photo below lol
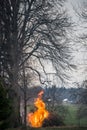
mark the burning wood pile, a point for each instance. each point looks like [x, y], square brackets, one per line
[41, 117]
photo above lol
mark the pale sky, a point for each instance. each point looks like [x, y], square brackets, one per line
[79, 51]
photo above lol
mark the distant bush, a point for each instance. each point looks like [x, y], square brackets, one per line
[53, 120]
[61, 110]
[82, 111]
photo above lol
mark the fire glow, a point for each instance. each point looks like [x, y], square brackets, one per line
[35, 119]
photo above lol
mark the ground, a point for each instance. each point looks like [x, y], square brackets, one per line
[53, 128]
[71, 121]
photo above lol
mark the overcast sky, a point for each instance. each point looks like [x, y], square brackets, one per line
[80, 52]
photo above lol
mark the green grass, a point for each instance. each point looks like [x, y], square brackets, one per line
[71, 120]
[71, 117]
[83, 122]
[69, 113]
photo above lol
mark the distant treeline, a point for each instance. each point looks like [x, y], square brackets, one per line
[76, 95]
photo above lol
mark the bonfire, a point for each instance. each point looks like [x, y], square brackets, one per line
[35, 119]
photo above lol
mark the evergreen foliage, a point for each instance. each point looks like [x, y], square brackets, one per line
[5, 107]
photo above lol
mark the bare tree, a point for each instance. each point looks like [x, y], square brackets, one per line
[37, 31]
[32, 29]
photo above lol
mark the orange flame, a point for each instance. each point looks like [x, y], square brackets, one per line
[36, 119]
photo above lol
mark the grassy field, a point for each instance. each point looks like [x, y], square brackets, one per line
[70, 112]
[72, 119]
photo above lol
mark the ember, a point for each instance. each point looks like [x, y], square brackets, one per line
[36, 119]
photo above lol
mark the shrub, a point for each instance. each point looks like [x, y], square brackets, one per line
[53, 120]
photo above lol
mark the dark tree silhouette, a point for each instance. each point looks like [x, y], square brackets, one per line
[32, 29]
